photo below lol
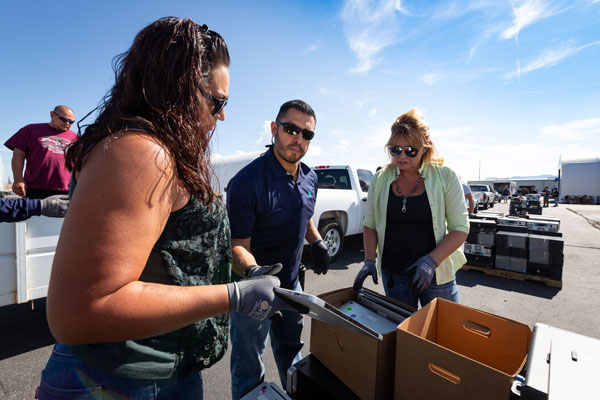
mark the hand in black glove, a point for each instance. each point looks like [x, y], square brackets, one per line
[320, 257]
[259, 270]
[424, 268]
[55, 206]
[256, 298]
[368, 268]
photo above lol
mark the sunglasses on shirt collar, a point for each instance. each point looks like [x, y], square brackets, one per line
[292, 129]
[63, 119]
[409, 151]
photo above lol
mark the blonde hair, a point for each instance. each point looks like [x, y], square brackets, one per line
[413, 127]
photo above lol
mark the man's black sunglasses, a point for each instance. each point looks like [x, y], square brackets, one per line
[294, 130]
[63, 119]
[219, 103]
[409, 151]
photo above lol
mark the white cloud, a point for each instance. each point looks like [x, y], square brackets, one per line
[549, 58]
[430, 79]
[526, 13]
[311, 48]
[327, 92]
[575, 130]
[314, 151]
[370, 26]
[265, 134]
[373, 111]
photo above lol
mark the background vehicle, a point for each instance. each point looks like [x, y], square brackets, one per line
[340, 206]
[26, 253]
[497, 196]
[483, 195]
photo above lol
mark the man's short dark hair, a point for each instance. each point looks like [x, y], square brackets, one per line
[299, 105]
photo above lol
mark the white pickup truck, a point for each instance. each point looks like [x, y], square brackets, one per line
[483, 196]
[26, 253]
[340, 206]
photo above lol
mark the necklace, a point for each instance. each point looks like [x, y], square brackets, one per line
[411, 192]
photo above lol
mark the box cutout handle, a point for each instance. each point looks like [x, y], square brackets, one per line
[444, 373]
[477, 329]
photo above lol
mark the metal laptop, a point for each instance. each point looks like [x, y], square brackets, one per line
[368, 317]
[379, 309]
[325, 312]
[377, 298]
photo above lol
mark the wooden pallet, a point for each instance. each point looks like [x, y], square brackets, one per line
[514, 275]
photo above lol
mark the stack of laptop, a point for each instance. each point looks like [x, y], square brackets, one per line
[371, 314]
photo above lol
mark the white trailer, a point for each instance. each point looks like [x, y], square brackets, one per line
[26, 253]
[580, 177]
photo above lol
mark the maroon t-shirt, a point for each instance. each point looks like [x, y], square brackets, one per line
[44, 147]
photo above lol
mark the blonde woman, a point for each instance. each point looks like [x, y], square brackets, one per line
[416, 219]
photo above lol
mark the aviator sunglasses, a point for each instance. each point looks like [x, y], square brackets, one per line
[294, 130]
[63, 119]
[219, 103]
[409, 151]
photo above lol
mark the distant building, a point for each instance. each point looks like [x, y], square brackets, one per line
[580, 177]
[537, 182]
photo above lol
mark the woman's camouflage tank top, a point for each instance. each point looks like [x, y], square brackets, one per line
[194, 249]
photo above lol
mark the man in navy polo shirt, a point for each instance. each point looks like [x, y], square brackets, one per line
[270, 204]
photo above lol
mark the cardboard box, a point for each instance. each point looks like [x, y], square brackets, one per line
[450, 351]
[364, 364]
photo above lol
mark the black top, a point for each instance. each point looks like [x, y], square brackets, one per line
[408, 235]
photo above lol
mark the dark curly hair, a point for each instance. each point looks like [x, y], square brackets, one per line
[161, 87]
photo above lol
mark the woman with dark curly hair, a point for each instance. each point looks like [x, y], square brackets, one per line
[139, 291]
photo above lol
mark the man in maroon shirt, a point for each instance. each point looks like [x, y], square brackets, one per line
[43, 147]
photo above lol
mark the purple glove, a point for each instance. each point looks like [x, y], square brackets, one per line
[368, 268]
[424, 268]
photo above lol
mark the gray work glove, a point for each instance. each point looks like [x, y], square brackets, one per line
[55, 206]
[256, 298]
[259, 270]
[320, 257]
[423, 270]
[368, 268]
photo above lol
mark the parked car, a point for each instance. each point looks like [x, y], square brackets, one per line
[497, 196]
[340, 206]
[483, 195]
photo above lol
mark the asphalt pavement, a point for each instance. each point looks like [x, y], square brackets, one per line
[26, 341]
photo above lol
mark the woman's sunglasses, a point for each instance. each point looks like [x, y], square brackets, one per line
[409, 151]
[219, 103]
[63, 119]
[294, 130]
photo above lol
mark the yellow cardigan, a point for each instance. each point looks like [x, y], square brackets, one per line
[448, 210]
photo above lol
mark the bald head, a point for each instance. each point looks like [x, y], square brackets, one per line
[60, 118]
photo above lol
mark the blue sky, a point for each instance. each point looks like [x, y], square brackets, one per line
[507, 87]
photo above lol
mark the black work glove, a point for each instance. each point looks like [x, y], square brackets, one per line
[259, 270]
[256, 298]
[320, 257]
[423, 271]
[55, 206]
[368, 268]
